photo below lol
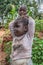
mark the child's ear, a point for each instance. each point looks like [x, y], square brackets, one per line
[25, 28]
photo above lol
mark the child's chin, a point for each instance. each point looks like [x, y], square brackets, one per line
[18, 35]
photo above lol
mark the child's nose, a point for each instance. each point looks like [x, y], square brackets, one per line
[15, 29]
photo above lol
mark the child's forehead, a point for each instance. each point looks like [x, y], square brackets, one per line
[22, 20]
[18, 22]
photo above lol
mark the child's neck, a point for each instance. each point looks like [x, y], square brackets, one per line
[20, 37]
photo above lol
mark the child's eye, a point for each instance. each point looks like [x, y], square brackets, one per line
[17, 25]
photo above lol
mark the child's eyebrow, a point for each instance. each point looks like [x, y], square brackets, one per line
[16, 23]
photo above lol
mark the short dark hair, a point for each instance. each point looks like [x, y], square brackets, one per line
[23, 20]
[23, 8]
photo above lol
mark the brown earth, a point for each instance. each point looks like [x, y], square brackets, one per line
[2, 32]
[40, 35]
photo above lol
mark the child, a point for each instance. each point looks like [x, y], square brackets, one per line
[22, 40]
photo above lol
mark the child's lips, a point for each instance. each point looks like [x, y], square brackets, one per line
[15, 32]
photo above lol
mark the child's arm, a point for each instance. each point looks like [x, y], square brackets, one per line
[31, 26]
[11, 27]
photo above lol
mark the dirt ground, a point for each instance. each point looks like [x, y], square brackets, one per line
[2, 32]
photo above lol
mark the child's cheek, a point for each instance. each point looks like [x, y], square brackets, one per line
[15, 53]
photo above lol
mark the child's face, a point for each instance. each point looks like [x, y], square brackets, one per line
[19, 29]
[22, 12]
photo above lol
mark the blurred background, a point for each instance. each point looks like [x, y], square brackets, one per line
[9, 12]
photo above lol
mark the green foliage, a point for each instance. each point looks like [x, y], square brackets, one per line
[33, 9]
[3, 6]
[37, 64]
[7, 47]
[9, 9]
[10, 15]
[6, 26]
[9, 19]
[37, 51]
[39, 25]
